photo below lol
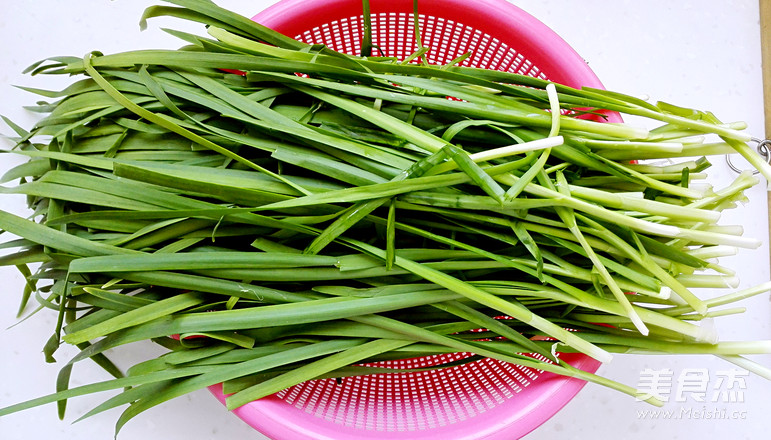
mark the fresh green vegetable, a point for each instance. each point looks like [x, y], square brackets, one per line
[301, 207]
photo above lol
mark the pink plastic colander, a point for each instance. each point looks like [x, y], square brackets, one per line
[486, 399]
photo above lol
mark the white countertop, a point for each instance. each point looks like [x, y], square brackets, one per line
[703, 54]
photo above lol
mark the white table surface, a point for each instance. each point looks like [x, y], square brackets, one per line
[703, 54]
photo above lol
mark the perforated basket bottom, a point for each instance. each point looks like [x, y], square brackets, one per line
[486, 398]
[400, 402]
[393, 35]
